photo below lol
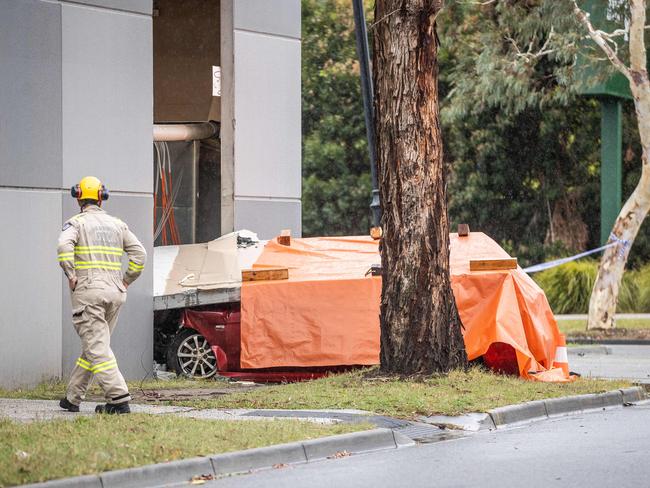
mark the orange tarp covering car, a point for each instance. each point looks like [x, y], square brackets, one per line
[327, 312]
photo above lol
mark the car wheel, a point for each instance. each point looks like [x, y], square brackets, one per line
[189, 354]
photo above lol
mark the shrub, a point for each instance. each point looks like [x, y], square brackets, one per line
[568, 287]
[642, 280]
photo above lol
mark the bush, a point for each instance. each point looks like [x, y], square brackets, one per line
[568, 288]
[642, 280]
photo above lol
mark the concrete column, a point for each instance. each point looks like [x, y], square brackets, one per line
[76, 93]
[107, 60]
[261, 117]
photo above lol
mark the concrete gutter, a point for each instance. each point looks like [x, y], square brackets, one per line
[522, 413]
[239, 462]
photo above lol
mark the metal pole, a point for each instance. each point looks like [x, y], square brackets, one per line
[195, 178]
[368, 108]
[611, 135]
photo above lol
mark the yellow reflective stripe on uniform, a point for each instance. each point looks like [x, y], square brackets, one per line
[111, 253]
[98, 248]
[135, 266]
[82, 360]
[105, 368]
[61, 254]
[66, 259]
[83, 365]
[99, 266]
[96, 261]
[98, 368]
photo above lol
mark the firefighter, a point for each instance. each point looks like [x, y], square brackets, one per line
[90, 249]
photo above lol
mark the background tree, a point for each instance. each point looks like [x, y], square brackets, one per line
[602, 305]
[420, 326]
[522, 146]
[336, 175]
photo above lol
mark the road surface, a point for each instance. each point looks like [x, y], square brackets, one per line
[604, 448]
[611, 361]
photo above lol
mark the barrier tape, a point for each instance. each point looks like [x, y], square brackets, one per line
[624, 244]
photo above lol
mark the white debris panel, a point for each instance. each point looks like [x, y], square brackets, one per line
[203, 274]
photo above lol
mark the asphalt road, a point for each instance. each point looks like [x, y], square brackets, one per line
[608, 448]
[611, 361]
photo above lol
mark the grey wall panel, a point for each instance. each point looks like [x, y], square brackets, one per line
[268, 217]
[30, 288]
[132, 340]
[137, 6]
[267, 111]
[107, 97]
[280, 17]
[30, 94]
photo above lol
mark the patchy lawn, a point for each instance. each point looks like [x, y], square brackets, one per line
[459, 392]
[42, 451]
[625, 329]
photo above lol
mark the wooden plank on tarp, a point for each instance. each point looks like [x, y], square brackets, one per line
[265, 274]
[492, 264]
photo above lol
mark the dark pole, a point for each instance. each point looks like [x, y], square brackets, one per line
[368, 108]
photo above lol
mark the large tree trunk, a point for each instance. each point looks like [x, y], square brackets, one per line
[612, 265]
[420, 326]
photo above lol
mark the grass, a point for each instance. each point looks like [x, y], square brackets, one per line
[42, 451]
[572, 327]
[55, 389]
[459, 392]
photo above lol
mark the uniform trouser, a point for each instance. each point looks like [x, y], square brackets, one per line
[95, 308]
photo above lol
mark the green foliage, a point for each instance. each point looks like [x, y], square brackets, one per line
[519, 140]
[336, 167]
[642, 280]
[509, 55]
[568, 288]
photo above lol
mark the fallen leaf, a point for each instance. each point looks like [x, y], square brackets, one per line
[280, 466]
[201, 479]
[340, 454]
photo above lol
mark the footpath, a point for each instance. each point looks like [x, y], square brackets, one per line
[389, 433]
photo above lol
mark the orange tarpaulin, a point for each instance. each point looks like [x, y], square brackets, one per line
[327, 312]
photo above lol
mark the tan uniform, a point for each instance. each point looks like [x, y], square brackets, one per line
[90, 247]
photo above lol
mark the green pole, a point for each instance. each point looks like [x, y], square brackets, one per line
[610, 169]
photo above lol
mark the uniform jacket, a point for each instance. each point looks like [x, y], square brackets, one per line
[92, 243]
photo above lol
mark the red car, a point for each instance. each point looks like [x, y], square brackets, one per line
[208, 343]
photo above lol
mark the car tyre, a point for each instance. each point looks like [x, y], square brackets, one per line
[190, 355]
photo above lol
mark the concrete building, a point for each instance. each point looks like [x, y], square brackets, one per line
[81, 85]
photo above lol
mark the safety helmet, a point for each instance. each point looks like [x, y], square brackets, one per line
[89, 188]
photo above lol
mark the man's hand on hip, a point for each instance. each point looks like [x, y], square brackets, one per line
[72, 282]
[126, 285]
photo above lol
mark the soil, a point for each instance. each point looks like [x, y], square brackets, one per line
[165, 395]
[617, 333]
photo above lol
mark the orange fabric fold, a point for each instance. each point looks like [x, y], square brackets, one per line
[327, 312]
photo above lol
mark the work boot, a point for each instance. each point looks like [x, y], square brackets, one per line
[112, 408]
[66, 405]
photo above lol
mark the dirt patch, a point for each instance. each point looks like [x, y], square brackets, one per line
[618, 333]
[159, 395]
[143, 396]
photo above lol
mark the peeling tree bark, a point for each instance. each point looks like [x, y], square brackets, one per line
[420, 326]
[604, 296]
